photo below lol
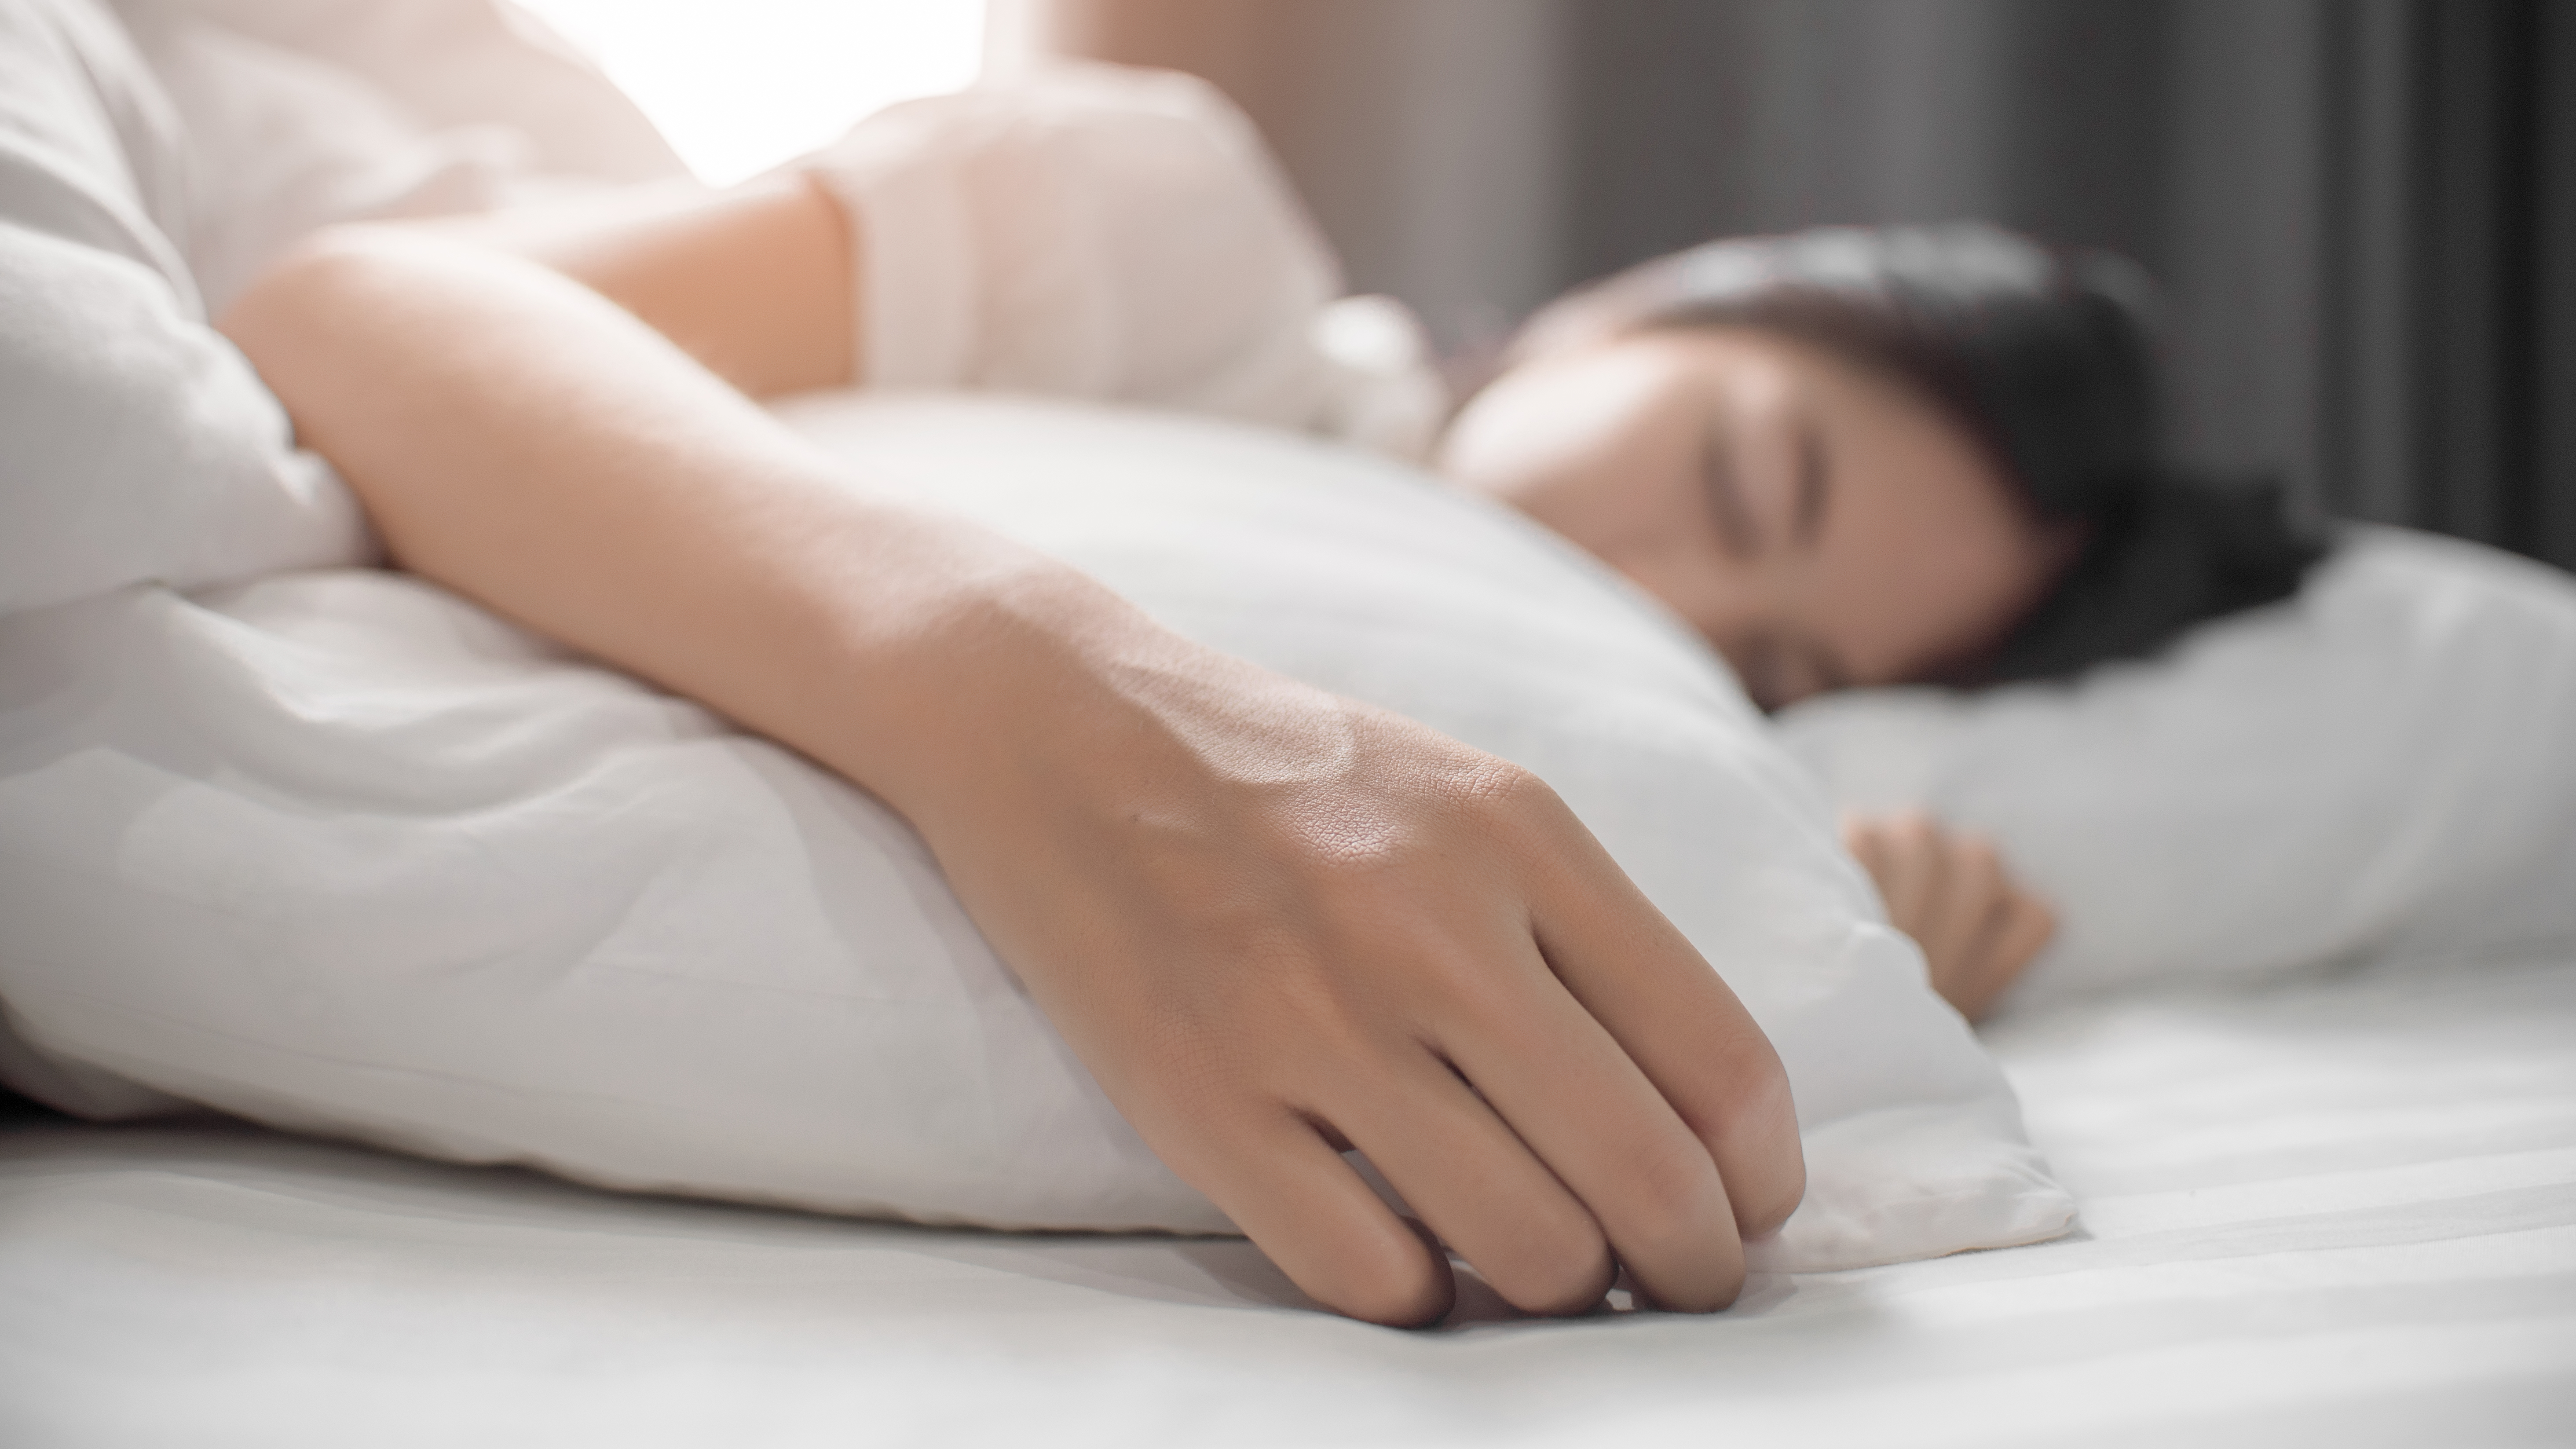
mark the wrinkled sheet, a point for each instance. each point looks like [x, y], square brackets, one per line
[2336, 1211]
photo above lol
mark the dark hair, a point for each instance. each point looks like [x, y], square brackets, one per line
[2043, 356]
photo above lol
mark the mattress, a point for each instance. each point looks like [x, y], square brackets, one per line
[2337, 1210]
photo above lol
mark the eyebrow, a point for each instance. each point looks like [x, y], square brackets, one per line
[1726, 492]
[1815, 482]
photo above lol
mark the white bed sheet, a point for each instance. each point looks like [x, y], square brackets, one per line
[2337, 1211]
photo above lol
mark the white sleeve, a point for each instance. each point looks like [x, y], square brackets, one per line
[1091, 231]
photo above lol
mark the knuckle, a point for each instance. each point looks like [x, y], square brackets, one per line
[1716, 1288]
[1499, 787]
[2042, 919]
[1186, 1091]
[1978, 857]
[1673, 1188]
[1261, 1020]
[1912, 826]
[1399, 1288]
[1560, 1264]
[1752, 1086]
[1561, 1287]
[1332, 1019]
[1756, 1134]
[1453, 994]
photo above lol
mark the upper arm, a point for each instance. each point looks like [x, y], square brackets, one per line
[755, 282]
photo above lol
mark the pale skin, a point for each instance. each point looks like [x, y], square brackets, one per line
[1822, 526]
[1273, 922]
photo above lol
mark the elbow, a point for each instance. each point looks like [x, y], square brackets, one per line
[323, 277]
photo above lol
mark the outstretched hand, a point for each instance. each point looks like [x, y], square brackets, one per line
[1278, 924]
[1948, 890]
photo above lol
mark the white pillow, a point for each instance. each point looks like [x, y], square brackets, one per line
[2383, 766]
[339, 852]
[140, 446]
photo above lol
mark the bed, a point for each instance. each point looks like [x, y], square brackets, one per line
[2335, 1210]
[2314, 1102]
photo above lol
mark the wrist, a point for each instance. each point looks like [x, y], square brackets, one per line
[977, 669]
[1016, 692]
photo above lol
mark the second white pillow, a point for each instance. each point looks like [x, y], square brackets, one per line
[2383, 766]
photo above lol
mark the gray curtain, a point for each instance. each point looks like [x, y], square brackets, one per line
[2364, 211]
[2449, 355]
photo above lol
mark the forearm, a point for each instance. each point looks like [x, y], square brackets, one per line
[526, 443]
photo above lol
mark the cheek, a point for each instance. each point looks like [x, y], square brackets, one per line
[1925, 588]
[1720, 600]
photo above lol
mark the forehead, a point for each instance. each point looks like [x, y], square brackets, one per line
[1760, 356]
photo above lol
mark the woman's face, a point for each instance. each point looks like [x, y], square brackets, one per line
[1822, 525]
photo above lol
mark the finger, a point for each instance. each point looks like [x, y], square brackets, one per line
[1859, 831]
[2019, 928]
[1311, 1213]
[1480, 1188]
[1673, 1018]
[1868, 845]
[1911, 847]
[1955, 913]
[2028, 929]
[1625, 1156]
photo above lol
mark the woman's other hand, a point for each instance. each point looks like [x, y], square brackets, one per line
[1948, 890]
[1278, 924]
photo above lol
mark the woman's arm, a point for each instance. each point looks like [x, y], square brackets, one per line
[1273, 922]
[755, 282]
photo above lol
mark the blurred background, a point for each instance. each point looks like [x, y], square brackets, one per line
[2364, 211]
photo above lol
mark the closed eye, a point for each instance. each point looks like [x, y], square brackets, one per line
[1815, 484]
[1735, 526]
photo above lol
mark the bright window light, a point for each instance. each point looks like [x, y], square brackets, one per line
[741, 85]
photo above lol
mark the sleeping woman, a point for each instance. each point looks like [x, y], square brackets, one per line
[1900, 455]
[1274, 923]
